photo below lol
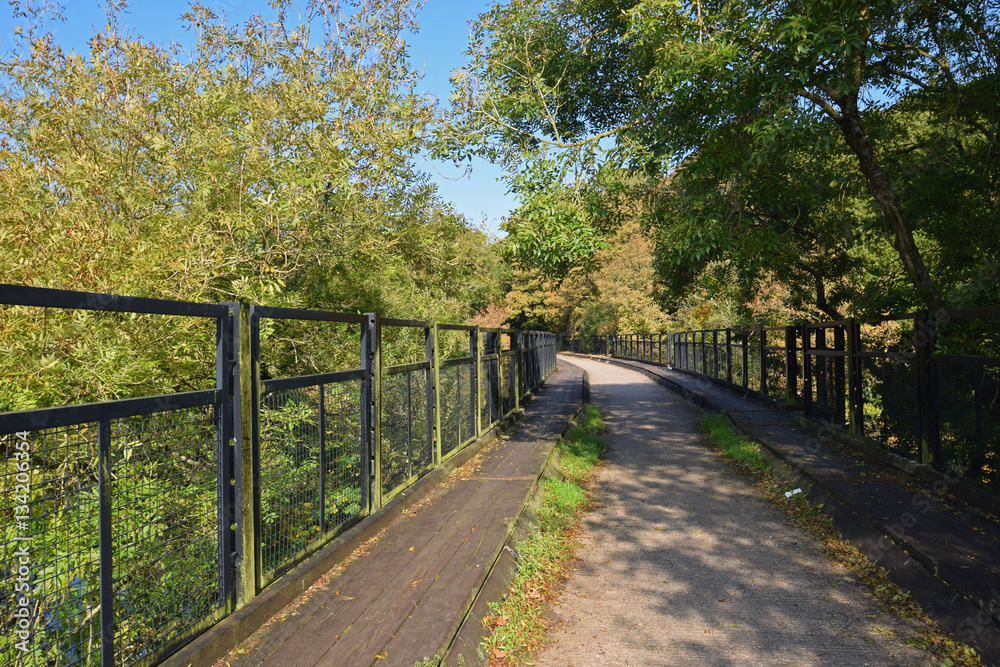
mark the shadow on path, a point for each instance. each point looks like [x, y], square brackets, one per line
[685, 564]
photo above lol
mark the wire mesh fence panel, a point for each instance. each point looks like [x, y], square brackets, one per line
[449, 409]
[289, 475]
[775, 371]
[752, 370]
[712, 353]
[969, 421]
[344, 454]
[697, 353]
[489, 403]
[736, 349]
[458, 421]
[890, 398]
[406, 442]
[826, 398]
[722, 357]
[164, 514]
[989, 397]
[966, 384]
[507, 385]
[51, 551]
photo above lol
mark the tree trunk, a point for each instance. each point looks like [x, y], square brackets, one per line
[821, 301]
[888, 203]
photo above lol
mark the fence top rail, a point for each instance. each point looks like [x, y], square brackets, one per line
[888, 318]
[303, 381]
[827, 325]
[414, 324]
[968, 359]
[457, 361]
[44, 297]
[273, 312]
[967, 312]
[406, 368]
[457, 327]
[89, 413]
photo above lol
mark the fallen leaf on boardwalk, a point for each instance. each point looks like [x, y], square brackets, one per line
[415, 582]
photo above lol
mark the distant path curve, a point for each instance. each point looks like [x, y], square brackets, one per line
[685, 564]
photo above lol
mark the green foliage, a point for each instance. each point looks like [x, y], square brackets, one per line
[581, 448]
[768, 128]
[733, 446]
[591, 420]
[270, 163]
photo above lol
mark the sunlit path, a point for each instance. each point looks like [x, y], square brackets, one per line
[684, 563]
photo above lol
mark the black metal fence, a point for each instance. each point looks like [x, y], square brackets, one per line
[133, 525]
[923, 385]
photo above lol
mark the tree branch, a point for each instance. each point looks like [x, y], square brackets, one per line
[820, 102]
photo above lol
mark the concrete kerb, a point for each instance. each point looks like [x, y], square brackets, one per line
[906, 565]
[205, 649]
[466, 642]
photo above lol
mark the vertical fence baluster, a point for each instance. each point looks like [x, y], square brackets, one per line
[105, 541]
[746, 367]
[433, 393]
[322, 459]
[370, 410]
[807, 398]
[476, 389]
[762, 347]
[729, 356]
[791, 367]
[855, 409]
[979, 461]
[226, 479]
[924, 328]
[518, 368]
[245, 519]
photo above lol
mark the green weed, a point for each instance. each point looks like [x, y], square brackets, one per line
[518, 625]
[733, 446]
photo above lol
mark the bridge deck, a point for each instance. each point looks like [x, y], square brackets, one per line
[405, 596]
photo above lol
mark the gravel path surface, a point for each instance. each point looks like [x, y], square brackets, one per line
[685, 564]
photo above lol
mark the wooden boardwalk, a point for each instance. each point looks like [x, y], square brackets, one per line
[406, 597]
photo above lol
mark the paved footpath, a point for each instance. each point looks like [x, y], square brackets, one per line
[685, 564]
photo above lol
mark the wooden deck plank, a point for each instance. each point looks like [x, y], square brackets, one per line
[354, 584]
[444, 604]
[373, 629]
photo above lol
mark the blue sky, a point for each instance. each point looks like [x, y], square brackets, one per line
[436, 50]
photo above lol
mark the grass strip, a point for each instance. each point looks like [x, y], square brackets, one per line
[517, 626]
[744, 455]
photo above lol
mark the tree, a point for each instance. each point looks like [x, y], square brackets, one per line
[270, 163]
[680, 83]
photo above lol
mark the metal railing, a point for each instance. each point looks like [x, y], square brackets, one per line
[133, 525]
[922, 385]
